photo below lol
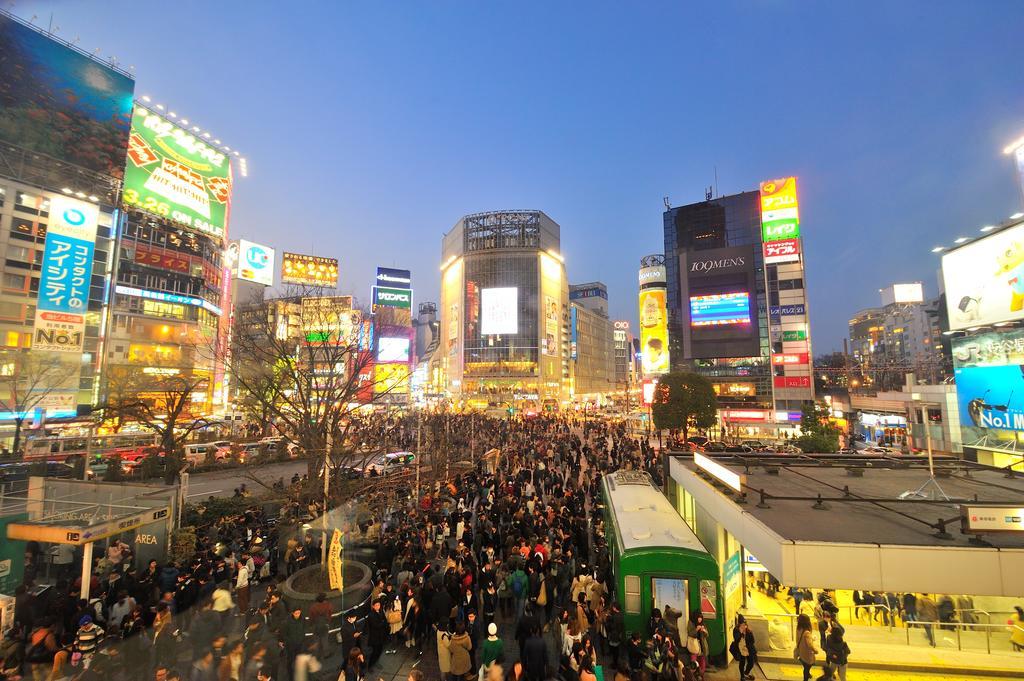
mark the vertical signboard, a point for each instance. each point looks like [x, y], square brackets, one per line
[654, 331]
[65, 277]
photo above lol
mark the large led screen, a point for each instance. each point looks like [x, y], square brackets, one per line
[173, 174]
[720, 309]
[499, 311]
[654, 356]
[393, 350]
[309, 270]
[57, 101]
[984, 280]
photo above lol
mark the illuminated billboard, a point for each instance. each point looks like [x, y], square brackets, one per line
[66, 273]
[720, 309]
[391, 378]
[392, 350]
[984, 280]
[309, 270]
[329, 320]
[780, 216]
[654, 332]
[784, 250]
[499, 311]
[387, 276]
[384, 296]
[255, 263]
[173, 174]
[57, 101]
[989, 379]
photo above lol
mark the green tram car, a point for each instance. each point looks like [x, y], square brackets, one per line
[657, 560]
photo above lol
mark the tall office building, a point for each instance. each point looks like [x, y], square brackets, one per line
[591, 349]
[737, 308]
[504, 312]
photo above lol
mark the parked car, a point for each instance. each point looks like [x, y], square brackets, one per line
[716, 447]
[698, 440]
[22, 470]
[740, 448]
[382, 464]
[755, 445]
[195, 454]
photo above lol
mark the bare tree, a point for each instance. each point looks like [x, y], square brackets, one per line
[28, 379]
[303, 366]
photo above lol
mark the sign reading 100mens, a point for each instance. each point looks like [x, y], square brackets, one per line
[66, 273]
[172, 174]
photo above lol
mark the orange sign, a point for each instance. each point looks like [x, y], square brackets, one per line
[776, 194]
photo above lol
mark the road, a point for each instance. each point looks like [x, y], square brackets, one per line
[223, 483]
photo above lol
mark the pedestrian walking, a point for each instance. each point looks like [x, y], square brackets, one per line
[806, 649]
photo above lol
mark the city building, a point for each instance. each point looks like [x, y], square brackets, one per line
[59, 219]
[591, 348]
[504, 312]
[903, 335]
[625, 356]
[737, 305]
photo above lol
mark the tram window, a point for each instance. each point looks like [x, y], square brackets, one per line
[632, 594]
[672, 592]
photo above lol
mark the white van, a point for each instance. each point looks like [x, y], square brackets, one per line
[195, 454]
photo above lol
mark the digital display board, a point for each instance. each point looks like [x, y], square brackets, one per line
[499, 311]
[391, 378]
[54, 100]
[255, 263]
[720, 309]
[392, 349]
[780, 217]
[984, 280]
[309, 270]
[66, 274]
[654, 357]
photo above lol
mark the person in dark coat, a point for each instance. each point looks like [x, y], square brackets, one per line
[535, 657]
[377, 629]
[294, 634]
[351, 634]
[635, 652]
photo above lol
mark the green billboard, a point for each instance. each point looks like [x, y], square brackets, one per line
[173, 174]
[775, 230]
[794, 335]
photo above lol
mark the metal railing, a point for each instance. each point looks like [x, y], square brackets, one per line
[960, 628]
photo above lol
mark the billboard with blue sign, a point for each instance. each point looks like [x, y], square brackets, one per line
[255, 263]
[65, 276]
[389, 277]
[990, 379]
[786, 310]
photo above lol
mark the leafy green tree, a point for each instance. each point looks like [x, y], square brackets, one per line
[684, 402]
[819, 434]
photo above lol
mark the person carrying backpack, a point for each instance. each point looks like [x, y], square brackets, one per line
[42, 646]
[518, 584]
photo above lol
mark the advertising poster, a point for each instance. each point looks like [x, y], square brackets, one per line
[989, 380]
[550, 326]
[65, 276]
[984, 280]
[173, 174]
[328, 320]
[387, 276]
[654, 332]
[385, 296]
[334, 562]
[392, 350]
[255, 263]
[720, 309]
[499, 311]
[453, 328]
[59, 102]
[164, 259]
[309, 270]
[785, 250]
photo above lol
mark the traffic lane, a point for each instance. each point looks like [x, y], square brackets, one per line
[223, 483]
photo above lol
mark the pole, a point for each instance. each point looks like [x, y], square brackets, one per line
[419, 461]
[86, 570]
[928, 440]
[88, 450]
[327, 492]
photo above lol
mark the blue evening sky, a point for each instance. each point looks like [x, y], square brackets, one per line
[372, 127]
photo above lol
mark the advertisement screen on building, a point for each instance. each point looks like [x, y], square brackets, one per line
[66, 273]
[385, 296]
[255, 263]
[392, 379]
[784, 250]
[309, 270]
[173, 174]
[780, 217]
[720, 309]
[387, 276]
[984, 280]
[550, 345]
[329, 320]
[989, 372]
[57, 101]
[392, 350]
[654, 357]
[499, 311]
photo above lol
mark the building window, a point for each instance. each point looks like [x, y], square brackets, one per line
[15, 281]
[19, 253]
[11, 311]
[632, 583]
[12, 339]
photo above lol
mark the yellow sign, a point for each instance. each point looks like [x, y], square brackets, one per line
[391, 378]
[334, 562]
[78, 535]
[654, 331]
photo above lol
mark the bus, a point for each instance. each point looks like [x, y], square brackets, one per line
[69, 448]
[657, 560]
